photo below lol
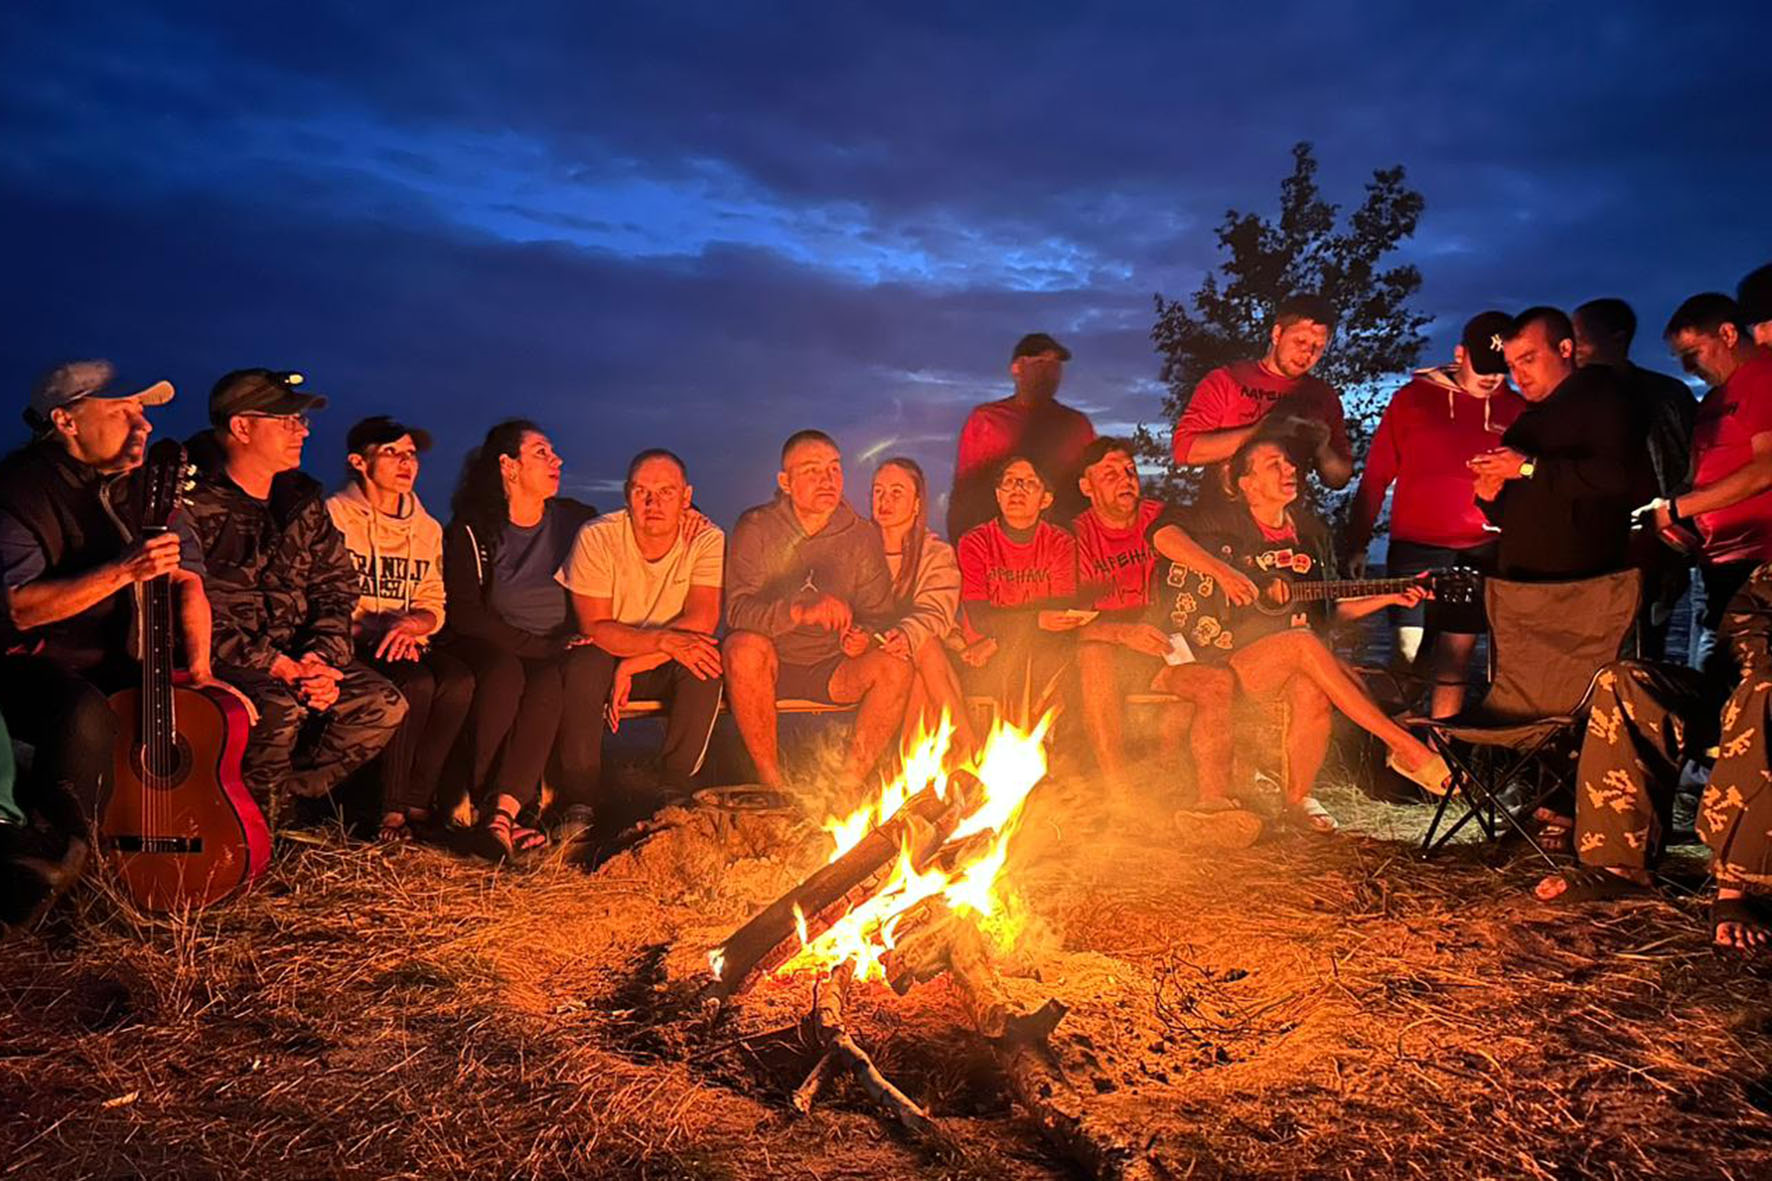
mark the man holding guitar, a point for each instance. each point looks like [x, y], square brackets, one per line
[1259, 546]
[69, 561]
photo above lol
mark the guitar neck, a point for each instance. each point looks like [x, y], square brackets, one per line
[157, 724]
[1357, 588]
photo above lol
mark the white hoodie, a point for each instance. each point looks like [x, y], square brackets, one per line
[398, 559]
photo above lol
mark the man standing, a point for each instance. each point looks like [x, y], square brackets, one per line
[71, 563]
[1604, 329]
[1730, 502]
[807, 588]
[1233, 401]
[284, 590]
[1569, 471]
[1754, 294]
[646, 595]
[1030, 422]
[1430, 432]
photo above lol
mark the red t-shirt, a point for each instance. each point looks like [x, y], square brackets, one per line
[1053, 436]
[1241, 395]
[1722, 442]
[1428, 432]
[1114, 566]
[997, 570]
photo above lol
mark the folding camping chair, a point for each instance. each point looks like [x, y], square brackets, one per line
[1548, 641]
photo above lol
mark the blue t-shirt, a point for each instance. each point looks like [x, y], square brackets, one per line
[524, 592]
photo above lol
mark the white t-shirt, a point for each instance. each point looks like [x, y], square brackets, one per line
[605, 563]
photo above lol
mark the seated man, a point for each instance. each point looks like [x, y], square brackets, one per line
[1647, 718]
[645, 589]
[1260, 535]
[284, 589]
[70, 567]
[1123, 648]
[807, 589]
[1018, 577]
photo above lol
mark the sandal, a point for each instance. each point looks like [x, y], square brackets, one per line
[1218, 824]
[1742, 913]
[513, 839]
[1554, 830]
[1309, 815]
[397, 827]
[1434, 776]
[1590, 883]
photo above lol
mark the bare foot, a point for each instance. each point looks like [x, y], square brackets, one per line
[1736, 925]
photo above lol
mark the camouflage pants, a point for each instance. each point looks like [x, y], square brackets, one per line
[306, 753]
[1646, 719]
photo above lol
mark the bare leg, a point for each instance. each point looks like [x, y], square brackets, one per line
[1097, 668]
[751, 665]
[1308, 721]
[938, 691]
[1267, 664]
[882, 684]
[1206, 695]
[1450, 664]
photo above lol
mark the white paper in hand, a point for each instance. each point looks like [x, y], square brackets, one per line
[1179, 652]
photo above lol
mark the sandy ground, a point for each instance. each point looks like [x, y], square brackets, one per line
[1308, 1007]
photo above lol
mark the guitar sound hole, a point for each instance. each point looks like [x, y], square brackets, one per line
[151, 771]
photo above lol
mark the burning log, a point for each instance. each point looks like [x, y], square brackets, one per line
[922, 826]
[841, 1049]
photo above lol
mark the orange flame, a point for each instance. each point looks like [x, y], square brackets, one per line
[1011, 764]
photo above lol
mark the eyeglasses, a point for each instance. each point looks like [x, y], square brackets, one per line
[291, 422]
[1021, 484]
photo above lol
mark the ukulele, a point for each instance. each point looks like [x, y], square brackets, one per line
[178, 824]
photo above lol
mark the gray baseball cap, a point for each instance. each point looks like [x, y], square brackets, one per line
[77, 380]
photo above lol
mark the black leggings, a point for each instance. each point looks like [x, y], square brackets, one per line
[439, 688]
[514, 721]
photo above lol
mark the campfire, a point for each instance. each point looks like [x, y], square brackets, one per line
[914, 888]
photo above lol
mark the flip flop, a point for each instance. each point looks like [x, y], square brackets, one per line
[1591, 883]
[1741, 912]
[1311, 816]
[1434, 776]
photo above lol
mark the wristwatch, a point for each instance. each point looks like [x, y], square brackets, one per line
[1527, 467]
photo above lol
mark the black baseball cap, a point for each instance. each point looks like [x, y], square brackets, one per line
[380, 430]
[1482, 338]
[1754, 295]
[1035, 343]
[260, 391]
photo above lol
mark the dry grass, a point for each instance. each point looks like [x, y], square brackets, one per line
[1304, 1008]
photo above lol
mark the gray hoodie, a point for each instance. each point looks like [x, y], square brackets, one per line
[770, 561]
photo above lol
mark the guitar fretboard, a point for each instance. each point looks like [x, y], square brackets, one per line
[1311, 592]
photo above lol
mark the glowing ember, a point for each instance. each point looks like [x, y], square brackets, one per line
[1013, 762]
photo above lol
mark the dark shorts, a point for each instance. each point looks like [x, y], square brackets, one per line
[807, 682]
[1407, 559]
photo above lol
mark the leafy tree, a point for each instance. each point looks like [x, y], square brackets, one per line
[1305, 250]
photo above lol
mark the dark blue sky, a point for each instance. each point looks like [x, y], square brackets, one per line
[707, 225]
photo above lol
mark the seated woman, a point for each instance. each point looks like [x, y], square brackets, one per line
[508, 618]
[926, 589]
[1018, 577]
[1647, 718]
[397, 550]
[1219, 553]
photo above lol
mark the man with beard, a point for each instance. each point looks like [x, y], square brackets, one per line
[1730, 501]
[807, 592]
[1430, 431]
[646, 595]
[1562, 484]
[284, 591]
[1232, 402]
[1032, 423]
[71, 562]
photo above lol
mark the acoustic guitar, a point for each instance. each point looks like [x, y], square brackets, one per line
[1279, 600]
[178, 824]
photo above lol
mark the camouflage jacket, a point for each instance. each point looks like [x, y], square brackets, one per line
[279, 577]
[1747, 623]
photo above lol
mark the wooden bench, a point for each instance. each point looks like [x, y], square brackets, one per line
[785, 705]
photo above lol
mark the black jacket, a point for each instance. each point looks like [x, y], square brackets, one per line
[468, 571]
[279, 578]
[1571, 518]
[79, 519]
